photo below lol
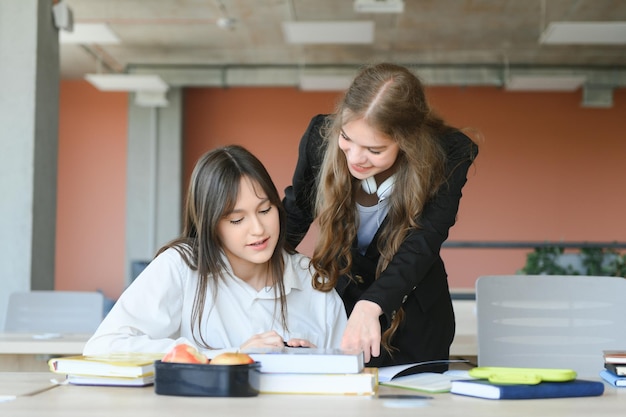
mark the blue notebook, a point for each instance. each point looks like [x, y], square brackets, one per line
[611, 378]
[482, 388]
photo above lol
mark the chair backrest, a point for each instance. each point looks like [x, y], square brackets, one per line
[548, 321]
[54, 312]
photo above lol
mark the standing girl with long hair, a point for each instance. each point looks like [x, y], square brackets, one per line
[382, 176]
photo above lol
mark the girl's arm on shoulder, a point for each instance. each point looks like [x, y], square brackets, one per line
[300, 195]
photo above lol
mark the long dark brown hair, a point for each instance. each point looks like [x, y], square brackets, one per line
[212, 193]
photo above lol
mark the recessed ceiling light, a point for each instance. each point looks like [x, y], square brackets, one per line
[378, 6]
[544, 82]
[127, 82]
[584, 33]
[99, 33]
[329, 32]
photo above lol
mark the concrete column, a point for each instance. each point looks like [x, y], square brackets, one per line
[29, 120]
[154, 178]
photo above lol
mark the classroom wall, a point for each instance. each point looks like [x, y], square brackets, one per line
[91, 200]
[548, 169]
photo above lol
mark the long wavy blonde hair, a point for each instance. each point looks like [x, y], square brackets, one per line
[391, 100]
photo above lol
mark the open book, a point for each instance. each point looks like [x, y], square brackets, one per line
[408, 376]
[387, 373]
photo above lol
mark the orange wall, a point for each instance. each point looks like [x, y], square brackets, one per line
[91, 199]
[268, 121]
[549, 170]
[545, 163]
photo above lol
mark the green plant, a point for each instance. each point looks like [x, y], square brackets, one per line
[594, 261]
[618, 265]
[543, 260]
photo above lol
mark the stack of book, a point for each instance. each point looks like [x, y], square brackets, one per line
[614, 371]
[313, 371]
[119, 369]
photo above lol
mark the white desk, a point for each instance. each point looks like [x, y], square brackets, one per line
[29, 352]
[68, 400]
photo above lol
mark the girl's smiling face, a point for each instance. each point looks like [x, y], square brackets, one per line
[367, 151]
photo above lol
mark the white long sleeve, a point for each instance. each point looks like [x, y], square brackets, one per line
[154, 313]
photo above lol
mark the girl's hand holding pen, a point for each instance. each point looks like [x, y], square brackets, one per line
[272, 339]
[299, 343]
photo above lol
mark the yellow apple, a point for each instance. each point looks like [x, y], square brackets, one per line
[231, 358]
[184, 353]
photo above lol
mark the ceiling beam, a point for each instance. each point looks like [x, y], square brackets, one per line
[435, 75]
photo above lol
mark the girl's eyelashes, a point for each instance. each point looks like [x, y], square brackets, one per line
[240, 219]
[345, 137]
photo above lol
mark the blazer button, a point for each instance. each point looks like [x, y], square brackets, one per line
[404, 299]
[359, 279]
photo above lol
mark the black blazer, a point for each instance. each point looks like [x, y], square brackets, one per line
[416, 278]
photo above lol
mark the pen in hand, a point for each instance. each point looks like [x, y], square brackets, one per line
[286, 345]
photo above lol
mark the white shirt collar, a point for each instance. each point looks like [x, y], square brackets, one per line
[290, 280]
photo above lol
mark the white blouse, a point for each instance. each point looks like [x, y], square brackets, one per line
[154, 312]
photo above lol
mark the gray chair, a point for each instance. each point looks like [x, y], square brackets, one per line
[548, 321]
[54, 312]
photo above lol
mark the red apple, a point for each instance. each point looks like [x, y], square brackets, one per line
[231, 358]
[184, 353]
